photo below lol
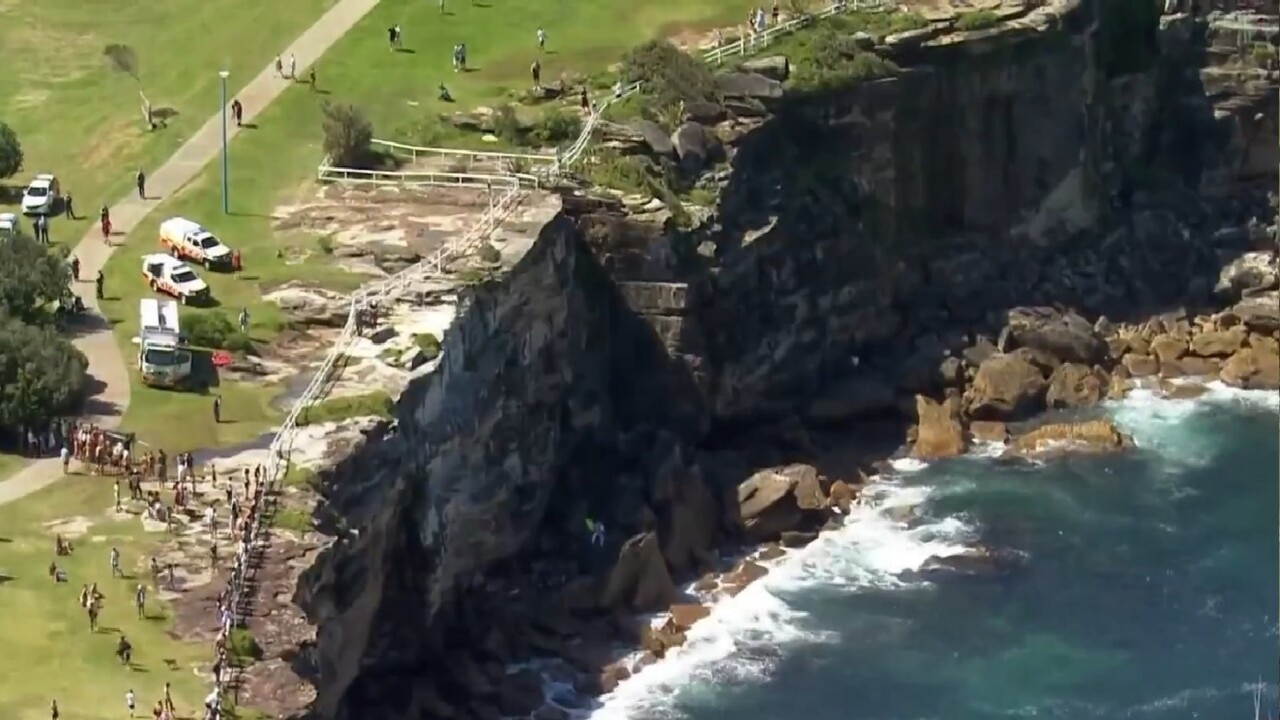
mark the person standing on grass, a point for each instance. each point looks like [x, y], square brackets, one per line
[244, 319]
[115, 563]
[92, 612]
[535, 70]
[68, 209]
[124, 651]
[440, 4]
[311, 77]
[131, 702]
[140, 598]
[66, 460]
[542, 39]
[391, 38]
[217, 409]
[53, 710]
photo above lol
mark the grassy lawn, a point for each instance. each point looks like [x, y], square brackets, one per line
[180, 421]
[51, 652]
[10, 464]
[80, 119]
[275, 163]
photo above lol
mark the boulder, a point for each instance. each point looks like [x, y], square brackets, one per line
[695, 145]
[655, 137]
[1088, 436]
[988, 431]
[1219, 343]
[1190, 366]
[778, 499]
[311, 306]
[939, 433]
[684, 615]
[745, 573]
[1139, 365]
[975, 563]
[774, 67]
[640, 581]
[705, 113]
[1006, 387]
[1168, 347]
[1066, 337]
[658, 640]
[1182, 391]
[1249, 273]
[841, 496]
[1260, 314]
[1252, 369]
[748, 85]
[745, 108]
[1073, 385]
[866, 394]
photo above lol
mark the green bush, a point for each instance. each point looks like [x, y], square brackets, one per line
[325, 243]
[670, 76]
[373, 404]
[506, 125]
[556, 127]
[10, 152]
[624, 173]
[347, 136]
[242, 646]
[977, 20]
[429, 344]
[31, 277]
[42, 375]
[834, 60]
[215, 330]
[489, 254]
[287, 518]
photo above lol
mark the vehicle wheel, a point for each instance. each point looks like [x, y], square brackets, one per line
[173, 250]
[155, 287]
[182, 299]
[208, 264]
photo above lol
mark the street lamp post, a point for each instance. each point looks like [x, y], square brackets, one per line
[226, 208]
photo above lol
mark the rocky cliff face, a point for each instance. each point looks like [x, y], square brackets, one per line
[869, 246]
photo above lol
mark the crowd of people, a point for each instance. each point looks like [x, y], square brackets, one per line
[147, 478]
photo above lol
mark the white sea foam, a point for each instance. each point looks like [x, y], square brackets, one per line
[1159, 423]
[745, 635]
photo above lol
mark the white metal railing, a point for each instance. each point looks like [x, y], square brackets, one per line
[421, 178]
[470, 158]
[756, 41]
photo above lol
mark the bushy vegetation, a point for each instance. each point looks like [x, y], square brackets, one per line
[977, 20]
[671, 77]
[556, 127]
[10, 152]
[374, 404]
[1128, 41]
[505, 123]
[215, 330]
[489, 254]
[430, 345]
[42, 375]
[242, 646]
[834, 60]
[347, 136]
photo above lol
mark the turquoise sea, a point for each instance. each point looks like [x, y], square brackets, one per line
[1149, 591]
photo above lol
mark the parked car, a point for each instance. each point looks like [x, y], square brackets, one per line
[9, 224]
[184, 238]
[40, 195]
[171, 276]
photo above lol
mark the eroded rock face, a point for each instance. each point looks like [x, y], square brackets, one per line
[777, 500]
[939, 433]
[1055, 438]
[311, 306]
[1007, 387]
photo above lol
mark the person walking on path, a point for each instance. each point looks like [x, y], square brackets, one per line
[311, 77]
[115, 563]
[141, 180]
[98, 282]
[293, 67]
[279, 67]
[75, 268]
[237, 112]
[53, 710]
[217, 409]
[66, 460]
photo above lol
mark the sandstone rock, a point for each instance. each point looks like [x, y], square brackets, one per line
[751, 85]
[939, 433]
[745, 108]
[742, 575]
[1064, 336]
[1219, 343]
[1088, 436]
[1252, 369]
[1182, 391]
[841, 496]
[989, 431]
[640, 581]
[974, 563]
[1250, 272]
[774, 67]
[777, 499]
[1073, 385]
[655, 137]
[1140, 366]
[1190, 366]
[1265, 345]
[686, 510]
[695, 146]
[1260, 314]
[684, 615]
[311, 306]
[860, 396]
[1168, 347]
[705, 113]
[659, 640]
[1120, 384]
[1006, 387]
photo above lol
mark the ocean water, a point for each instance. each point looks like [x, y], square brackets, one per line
[1149, 591]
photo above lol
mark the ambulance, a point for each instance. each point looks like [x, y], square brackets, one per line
[171, 276]
[186, 239]
[162, 360]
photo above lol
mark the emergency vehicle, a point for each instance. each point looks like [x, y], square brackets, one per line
[162, 360]
[186, 239]
[171, 276]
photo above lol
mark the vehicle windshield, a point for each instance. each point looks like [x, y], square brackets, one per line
[164, 357]
[184, 276]
[37, 191]
[208, 242]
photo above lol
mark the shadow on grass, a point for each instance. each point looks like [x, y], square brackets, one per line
[262, 216]
[407, 51]
[249, 126]
[6, 578]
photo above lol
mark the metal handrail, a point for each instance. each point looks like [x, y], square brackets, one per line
[754, 41]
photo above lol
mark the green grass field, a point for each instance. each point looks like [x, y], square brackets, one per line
[49, 651]
[275, 162]
[78, 118]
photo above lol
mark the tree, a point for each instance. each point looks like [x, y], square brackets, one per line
[42, 375]
[10, 152]
[670, 76]
[31, 277]
[347, 135]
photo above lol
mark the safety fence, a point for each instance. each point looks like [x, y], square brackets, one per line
[755, 41]
[506, 190]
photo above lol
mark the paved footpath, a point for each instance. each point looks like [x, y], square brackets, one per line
[110, 376]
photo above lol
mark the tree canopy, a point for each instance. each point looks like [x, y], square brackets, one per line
[10, 152]
[42, 375]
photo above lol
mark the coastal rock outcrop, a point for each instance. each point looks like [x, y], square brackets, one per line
[1055, 438]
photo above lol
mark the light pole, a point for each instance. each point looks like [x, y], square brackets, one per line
[226, 208]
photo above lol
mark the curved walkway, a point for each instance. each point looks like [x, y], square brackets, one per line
[109, 376]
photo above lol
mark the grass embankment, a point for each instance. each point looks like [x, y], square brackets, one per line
[82, 120]
[49, 651]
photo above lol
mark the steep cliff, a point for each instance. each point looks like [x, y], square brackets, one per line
[870, 244]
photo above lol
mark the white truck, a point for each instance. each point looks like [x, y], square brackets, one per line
[187, 240]
[162, 360]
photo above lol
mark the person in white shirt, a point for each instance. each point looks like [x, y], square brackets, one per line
[131, 702]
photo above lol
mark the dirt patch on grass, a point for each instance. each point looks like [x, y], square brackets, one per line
[69, 527]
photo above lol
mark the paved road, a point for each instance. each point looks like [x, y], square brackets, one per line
[110, 376]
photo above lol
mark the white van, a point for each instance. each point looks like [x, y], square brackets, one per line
[162, 360]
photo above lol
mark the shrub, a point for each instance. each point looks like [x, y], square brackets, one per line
[42, 375]
[325, 243]
[429, 344]
[977, 20]
[489, 254]
[834, 60]
[10, 152]
[506, 125]
[670, 76]
[347, 134]
[625, 173]
[215, 330]
[374, 404]
[31, 276]
[242, 646]
[556, 127]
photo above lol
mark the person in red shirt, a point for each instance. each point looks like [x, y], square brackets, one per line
[235, 261]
